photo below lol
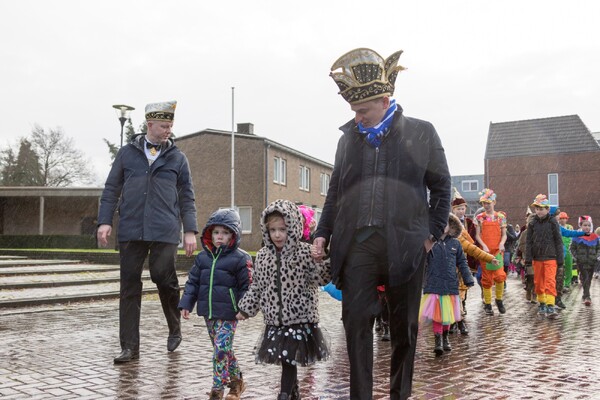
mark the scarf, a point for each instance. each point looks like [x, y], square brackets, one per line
[374, 135]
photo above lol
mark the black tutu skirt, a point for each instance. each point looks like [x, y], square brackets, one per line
[297, 344]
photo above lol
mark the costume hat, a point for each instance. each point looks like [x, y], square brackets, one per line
[584, 218]
[541, 201]
[487, 196]
[365, 75]
[457, 199]
[563, 215]
[164, 111]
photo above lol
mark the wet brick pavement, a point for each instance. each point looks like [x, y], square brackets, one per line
[66, 352]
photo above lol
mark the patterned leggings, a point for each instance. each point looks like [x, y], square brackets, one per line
[225, 364]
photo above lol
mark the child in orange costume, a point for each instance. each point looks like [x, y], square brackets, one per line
[491, 236]
[459, 209]
[545, 252]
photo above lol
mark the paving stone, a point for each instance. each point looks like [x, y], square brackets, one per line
[66, 351]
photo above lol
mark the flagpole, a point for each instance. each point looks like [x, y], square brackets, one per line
[232, 149]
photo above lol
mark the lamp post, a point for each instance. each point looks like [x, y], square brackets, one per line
[123, 113]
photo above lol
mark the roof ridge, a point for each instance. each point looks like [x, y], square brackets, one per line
[537, 119]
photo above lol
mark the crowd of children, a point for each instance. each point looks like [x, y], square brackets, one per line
[225, 286]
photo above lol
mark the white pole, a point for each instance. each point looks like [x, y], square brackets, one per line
[232, 150]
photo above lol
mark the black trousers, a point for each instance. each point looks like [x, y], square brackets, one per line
[366, 268]
[162, 272]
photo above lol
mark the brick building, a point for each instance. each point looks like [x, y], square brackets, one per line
[264, 171]
[557, 156]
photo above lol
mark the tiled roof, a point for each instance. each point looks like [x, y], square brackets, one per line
[567, 134]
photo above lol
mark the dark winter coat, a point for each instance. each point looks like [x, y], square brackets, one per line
[285, 284]
[586, 250]
[414, 162]
[153, 200]
[544, 241]
[446, 255]
[220, 276]
[511, 238]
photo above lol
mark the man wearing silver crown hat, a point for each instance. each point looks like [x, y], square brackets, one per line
[151, 184]
[379, 217]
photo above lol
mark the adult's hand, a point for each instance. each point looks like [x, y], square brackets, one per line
[189, 243]
[318, 251]
[185, 314]
[428, 243]
[103, 233]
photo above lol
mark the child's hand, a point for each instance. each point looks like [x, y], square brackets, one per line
[240, 316]
[495, 261]
[185, 314]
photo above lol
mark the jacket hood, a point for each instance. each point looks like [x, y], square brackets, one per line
[293, 222]
[228, 218]
[455, 226]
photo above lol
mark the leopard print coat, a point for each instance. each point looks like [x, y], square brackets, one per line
[285, 284]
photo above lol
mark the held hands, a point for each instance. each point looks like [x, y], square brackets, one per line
[428, 244]
[240, 316]
[318, 249]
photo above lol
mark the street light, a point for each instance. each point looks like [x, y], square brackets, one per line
[123, 113]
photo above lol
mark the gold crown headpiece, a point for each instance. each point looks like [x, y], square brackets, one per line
[365, 75]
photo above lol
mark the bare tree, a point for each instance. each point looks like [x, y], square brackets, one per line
[61, 164]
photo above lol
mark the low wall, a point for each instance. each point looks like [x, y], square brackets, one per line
[182, 262]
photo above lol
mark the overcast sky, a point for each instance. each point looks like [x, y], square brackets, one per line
[65, 63]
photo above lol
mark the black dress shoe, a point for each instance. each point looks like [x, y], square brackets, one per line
[173, 342]
[126, 356]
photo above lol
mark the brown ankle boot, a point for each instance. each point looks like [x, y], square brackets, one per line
[216, 394]
[236, 388]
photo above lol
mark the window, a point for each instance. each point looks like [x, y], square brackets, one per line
[317, 215]
[279, 170]
[304, 178]
[324, 183]
[245, 216]
[470, 186]
[553, 189]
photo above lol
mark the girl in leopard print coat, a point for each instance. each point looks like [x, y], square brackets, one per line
[285, 287]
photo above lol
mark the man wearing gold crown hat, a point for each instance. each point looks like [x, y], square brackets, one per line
[151, 185]
[378, 216]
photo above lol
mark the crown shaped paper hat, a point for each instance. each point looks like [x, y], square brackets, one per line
[365, 75]
[164, 111]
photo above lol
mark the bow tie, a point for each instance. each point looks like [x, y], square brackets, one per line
[153, 146]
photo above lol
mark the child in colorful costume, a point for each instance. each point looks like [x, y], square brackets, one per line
[586, 250]
[491, 236]
[440, 302]
[474, 253]
[563, 217]
[545, 252]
